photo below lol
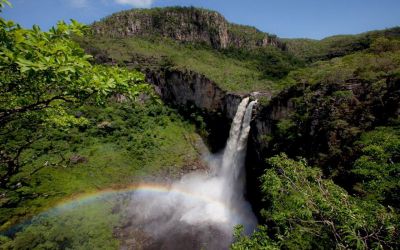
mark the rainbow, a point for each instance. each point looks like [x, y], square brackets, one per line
[141, 188]
[144, 189]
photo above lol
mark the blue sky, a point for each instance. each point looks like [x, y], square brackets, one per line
[285, 18]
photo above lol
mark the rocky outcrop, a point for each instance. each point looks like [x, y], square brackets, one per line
[186, 25]
[243, 36]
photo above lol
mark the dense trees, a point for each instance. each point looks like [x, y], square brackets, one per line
[43, 75]
[378, 165]
[304, 211]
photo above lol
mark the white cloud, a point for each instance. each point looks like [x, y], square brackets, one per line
[79, 3]
[136, 3]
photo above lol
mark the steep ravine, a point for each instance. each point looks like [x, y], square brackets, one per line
[191, 92]
[315, 138]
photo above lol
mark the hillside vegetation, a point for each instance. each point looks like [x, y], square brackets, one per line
[336, 46]
[233, 70]
[343, 124]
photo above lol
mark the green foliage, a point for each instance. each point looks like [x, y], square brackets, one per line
[378, 165]
[275, 63]
[383, 44]
[246, 33]
[285, 126]
[368, 66]
[70, 127]
[233, 69]
[332, 102]
[271, 62]
[330, 47]
[44, 75]
[33, 62]
[258, 240]
[343, 94]
[3, 3]
[306, 211]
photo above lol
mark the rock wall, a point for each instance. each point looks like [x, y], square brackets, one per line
[186, 89]
[185, 25]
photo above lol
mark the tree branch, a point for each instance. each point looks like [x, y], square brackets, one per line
[38, 105]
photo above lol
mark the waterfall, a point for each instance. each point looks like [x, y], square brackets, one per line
[202, 208]
[231, 169]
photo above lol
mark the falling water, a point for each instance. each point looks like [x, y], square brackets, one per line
[201, 209]
[235, 151]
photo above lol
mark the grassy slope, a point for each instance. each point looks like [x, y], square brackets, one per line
[138, 141]
[234, 73]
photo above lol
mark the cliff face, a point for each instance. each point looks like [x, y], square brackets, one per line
[185, 25]
[193, 93]
[185, 89]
